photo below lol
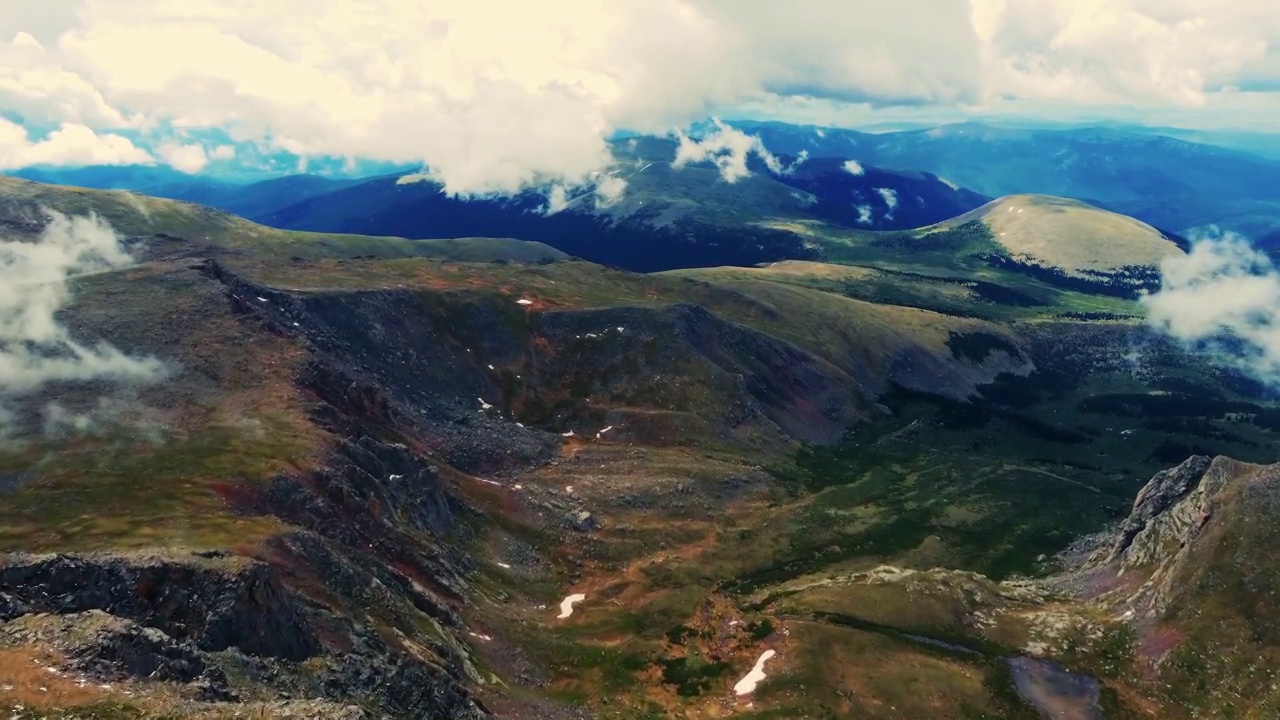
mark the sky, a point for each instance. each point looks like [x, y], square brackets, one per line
[495, 96]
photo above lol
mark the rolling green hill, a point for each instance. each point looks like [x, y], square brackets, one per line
[376, 472]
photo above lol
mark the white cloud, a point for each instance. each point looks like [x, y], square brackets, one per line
[853, 167]
[71, 144]
[1224, 293]
[35, 349]
[411, 178]
[609, 190]
[1122, 51]
[890, 197]
[189, 159]
[496, 96]
[728, 148]
[557, 200]
[225, 152]
[864, 214]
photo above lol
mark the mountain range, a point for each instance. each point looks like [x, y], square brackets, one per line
[904, 179]
[709, 448]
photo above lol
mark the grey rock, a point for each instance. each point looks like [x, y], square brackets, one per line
[216, 604]
[586, 522]
[1161, 493]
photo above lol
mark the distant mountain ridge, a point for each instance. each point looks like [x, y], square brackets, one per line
[1165, 181]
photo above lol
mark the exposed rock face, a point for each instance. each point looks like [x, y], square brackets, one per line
[216, 603]
[1171, 534]
[389, 355]
[184, 618]
[1150, 526]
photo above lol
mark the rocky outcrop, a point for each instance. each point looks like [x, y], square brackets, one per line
[196, 620]
[378, 497]
[1160, 518]
[215, 602]
[1180, 523]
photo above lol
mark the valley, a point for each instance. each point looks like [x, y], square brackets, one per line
[880, 473]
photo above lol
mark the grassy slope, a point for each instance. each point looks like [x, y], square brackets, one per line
[937, 483]
[1070, 234]
[133, 214]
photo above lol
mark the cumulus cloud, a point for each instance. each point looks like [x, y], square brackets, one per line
[864, 214]
[1123, 51]
[609, 190]
[728, 149]
[223, 152]
[71, 144]
[853, 167]
[35, 349]
[496, 96]
[1224, 294]
[189, 159]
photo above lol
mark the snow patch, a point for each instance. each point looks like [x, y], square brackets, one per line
[524, 301]
[600, 434]
[484, 405]
[747, 685]
[566, 605]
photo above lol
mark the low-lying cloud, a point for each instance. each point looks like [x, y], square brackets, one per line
[853, 167]
[1223, 295]
[35, 348]
[890, 197]
[728, 148]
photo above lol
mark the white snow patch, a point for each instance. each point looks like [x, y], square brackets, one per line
[566, 605]
[504, 566]
[484, 405]
[524, 301]
[394, 478]
[568, 489]
[567, 434]
[747, 685]
[490, 367]
[602, 432]
[486, 638]
[262, 299]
